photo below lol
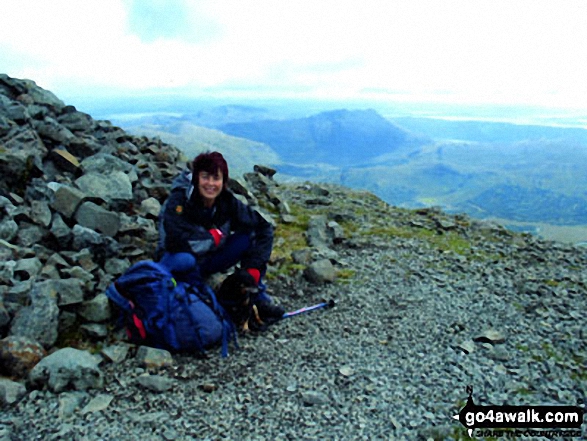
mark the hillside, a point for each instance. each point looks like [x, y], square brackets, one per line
[192, 139]
[339, 138]
[427, 303]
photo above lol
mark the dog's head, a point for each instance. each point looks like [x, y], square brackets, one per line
[235, 294]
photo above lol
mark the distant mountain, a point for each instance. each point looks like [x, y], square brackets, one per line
[339, 138]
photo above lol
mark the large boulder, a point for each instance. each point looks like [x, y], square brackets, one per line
[67, 369]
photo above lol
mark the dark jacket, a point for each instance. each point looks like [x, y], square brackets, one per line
[184, 224]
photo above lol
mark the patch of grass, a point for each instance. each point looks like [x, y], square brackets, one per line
[448, 241]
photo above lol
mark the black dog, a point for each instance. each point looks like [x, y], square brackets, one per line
[234, 295]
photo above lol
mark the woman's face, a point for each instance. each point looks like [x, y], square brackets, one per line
[210, 186]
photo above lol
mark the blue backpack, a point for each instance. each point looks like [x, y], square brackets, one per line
[161, 312]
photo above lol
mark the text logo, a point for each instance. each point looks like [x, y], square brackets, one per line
[473, 416]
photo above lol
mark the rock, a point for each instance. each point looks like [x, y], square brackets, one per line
[112, 187]
[316, 233]
[86, 238]
[65, 369]
[26, 269]
[312, 398]
[67, 291]
[467, 346]
[67, 199]
[264, 170]
[346, 371]
[93, 216]
[40, 320]
[10, 391]
[61, 231]
[96, 310]
[320, 272]
[94, 331]
[155, 383]
[97, 404]
[18, 355]
[150, 208]
[116, 353]
[154, 358]
[41, 213]
[70, 403]
[65, 160]
[492, 336]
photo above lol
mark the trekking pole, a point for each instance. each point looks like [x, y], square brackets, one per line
[325, 304]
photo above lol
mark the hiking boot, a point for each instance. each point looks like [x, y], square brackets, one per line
[269, 311]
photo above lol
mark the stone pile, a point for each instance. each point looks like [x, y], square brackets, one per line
[78, 204]
[79, 200]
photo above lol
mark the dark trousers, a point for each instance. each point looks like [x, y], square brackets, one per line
[186, 268]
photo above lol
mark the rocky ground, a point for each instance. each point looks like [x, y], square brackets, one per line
[426, 304]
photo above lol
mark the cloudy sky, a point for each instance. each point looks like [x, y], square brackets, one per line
[496, 51]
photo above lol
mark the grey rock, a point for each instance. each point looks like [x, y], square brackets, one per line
[8, 229]
[70, 403]
[316, 233]
[105, 164]
[313, 398]
[96, 310]
[111, 187]
[320, 272]
[60, 230]
[10, 391]
[76, 121]
[49, 129]
[41, 213]
[150, 208]
[30, 235]
[98, 403]
[67, 200]
[26, 269]
[116, 266]
[40, 320]
[67, 368]
[93, 216]
[155, 383]
[87, 238]
[153, 358]
[116, 353]
[94, 331]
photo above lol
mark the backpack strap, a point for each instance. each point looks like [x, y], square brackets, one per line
[121, 301]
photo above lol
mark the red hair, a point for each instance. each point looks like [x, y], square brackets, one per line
[210, 162]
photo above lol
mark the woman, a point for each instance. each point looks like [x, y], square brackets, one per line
[205, 229]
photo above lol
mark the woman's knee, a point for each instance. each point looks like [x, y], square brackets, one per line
[178, 262]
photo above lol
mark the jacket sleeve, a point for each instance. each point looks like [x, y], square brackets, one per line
[247, 219]
[180, 233]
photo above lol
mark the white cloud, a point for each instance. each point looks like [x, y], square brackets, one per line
[487, 50]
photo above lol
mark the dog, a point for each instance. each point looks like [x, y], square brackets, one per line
[234, 294]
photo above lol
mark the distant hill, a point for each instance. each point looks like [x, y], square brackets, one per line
[340, 137]
[242, 154]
